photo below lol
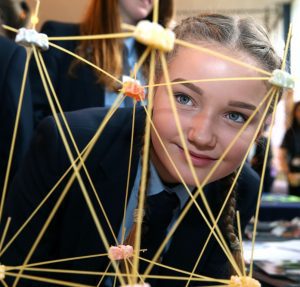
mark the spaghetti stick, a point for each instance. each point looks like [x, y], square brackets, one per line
[211, 80]
[8, 28]
[128, 174]
[183, 271]
[144, 172]
[155, 11]
[129, 27]
[5, 232]
[71, 284]
[4, 283]
[34, 18]
[103, 276]
[241, 241]
[9, 268]
[47, 280]
[286, 48]
[92, 37]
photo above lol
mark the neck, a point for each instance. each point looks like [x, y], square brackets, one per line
[163, 173]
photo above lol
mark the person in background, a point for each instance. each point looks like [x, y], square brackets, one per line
[289, 153]
[211, 114]
[257, 161]
[78, 85]
[14, 13]
[12, 62]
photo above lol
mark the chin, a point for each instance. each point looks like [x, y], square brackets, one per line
[189, 179]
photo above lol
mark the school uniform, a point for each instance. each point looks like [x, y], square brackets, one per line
[79, 89]
[73, 233]
[12, 62]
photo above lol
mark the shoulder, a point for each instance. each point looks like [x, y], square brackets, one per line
[86, 122]
[91, 118]
[60, 29]
[8, 48]
[6, 43]
[12, 58]
[55, 28]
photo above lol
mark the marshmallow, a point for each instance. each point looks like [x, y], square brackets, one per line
[27, 37]
[154, 35]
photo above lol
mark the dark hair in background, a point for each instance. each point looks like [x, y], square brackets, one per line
[15, 14]
[103, 17]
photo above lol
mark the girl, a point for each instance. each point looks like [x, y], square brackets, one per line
[211, 113]
[78, 85]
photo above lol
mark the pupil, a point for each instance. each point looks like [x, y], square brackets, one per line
[184, 99]
[233, 116]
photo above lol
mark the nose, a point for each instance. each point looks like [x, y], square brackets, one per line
[201, 132]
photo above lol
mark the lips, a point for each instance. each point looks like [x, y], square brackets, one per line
[199, 160]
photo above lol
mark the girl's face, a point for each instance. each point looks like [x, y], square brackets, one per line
[133, 11]
[211, 114]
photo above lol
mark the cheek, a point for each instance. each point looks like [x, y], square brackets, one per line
[162, 113]
[164, 123]
[240, 148]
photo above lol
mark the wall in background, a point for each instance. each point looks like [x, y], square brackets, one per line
[265, 12]
[67, 11]
[71, 11]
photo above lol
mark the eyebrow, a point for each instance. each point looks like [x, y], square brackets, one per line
[199, 91]
[242, 105]
[190, 86]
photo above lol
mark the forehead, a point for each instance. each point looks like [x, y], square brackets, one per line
[210, 64]
[191, 64]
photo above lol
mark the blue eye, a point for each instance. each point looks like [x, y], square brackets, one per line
[236, 117]
[183, 99]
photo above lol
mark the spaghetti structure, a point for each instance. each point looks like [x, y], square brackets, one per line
[130, 276]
